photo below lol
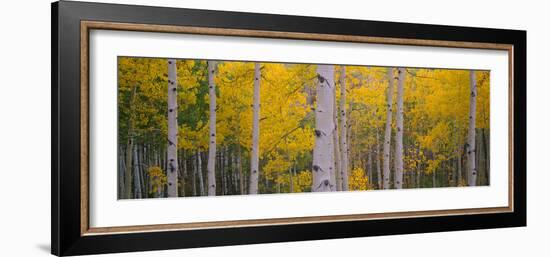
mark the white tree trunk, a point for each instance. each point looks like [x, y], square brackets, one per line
[194, 178]
[240, 169]
[387, 134]
[369, 167]
[337, 152]
[121, 168]
[255, 153]
[471, 146]
[323, 161]
[137, 177]
[343, 130]
[378, 171]
[199, 171]
[211, 165]
[129, 147]
[398, 179]
[226, 157]
[172, 168]
[128, 193]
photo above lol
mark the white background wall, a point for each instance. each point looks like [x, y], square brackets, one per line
[25, 127]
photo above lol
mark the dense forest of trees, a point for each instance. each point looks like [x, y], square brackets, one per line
[198, 128]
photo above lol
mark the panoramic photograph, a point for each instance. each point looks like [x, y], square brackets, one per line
[191, 128]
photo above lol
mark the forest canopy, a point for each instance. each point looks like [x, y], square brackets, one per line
[203, 127]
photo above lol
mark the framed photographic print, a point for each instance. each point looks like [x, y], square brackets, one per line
[178, 128]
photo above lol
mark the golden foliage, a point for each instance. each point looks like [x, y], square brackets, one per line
[436, 106]
[358, 180]
[157, 178]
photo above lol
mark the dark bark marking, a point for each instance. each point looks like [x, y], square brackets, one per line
[318, 133]
[321, 78]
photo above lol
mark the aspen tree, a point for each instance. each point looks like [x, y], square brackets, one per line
[344, 149]
[254, 155]
[471, 145]
[323, 162]
[398, 179]
[210, 168]
[172, 148]
[387, 134]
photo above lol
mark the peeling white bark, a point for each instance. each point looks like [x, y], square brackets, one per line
[471, 146]
[343, 130]
[211, 165]
[387, 134]
[199, 171]
[378, 171]
[254, 154]
[398, 179]
[323, 161]
[172, 150]
[337, 152]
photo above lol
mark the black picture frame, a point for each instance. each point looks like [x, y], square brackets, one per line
[66, 235]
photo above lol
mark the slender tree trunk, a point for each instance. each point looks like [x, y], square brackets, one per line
[144, 176]
[121, 169]
[222, 170]
[156, 161]
[387, 135]
[148, 161]
[324, 127]
[211, 165]
[183, 174]
[344, 126]
[240, 168]
[472, 169]
[228, 170]
[418, 169]
[378, 171]
[128, 172]
[172, 129]
[137, 182]
[486, 155]
[199, 172]
[369, 166]
[479, 162]
[254, 154]
[337, 152]
[195, 172]
[235, 171]
[398, 179]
